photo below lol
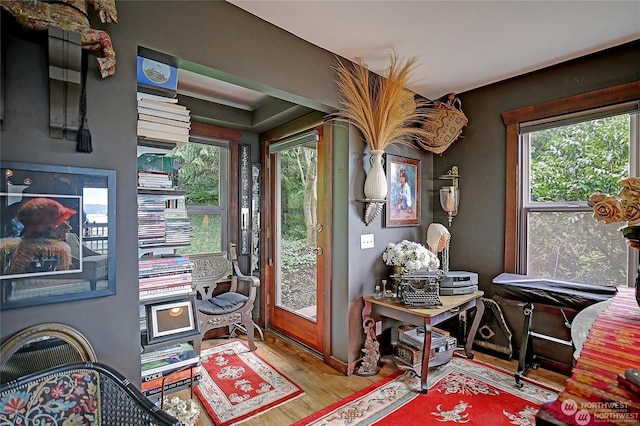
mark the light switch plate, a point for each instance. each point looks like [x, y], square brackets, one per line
[366, 241]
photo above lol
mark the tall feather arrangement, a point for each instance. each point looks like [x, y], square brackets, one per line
[381, 108]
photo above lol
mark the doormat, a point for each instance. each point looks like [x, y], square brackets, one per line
[461, 391]
[238, 384]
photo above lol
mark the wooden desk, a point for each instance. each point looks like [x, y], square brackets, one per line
[428, 317]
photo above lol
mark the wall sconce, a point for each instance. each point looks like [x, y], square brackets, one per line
[450, 195]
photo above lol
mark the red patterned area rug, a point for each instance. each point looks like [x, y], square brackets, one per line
[238, 384]
[461, 391]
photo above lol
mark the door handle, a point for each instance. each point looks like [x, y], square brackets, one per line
[319, 228]
[318, 251]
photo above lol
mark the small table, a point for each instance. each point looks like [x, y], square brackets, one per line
[428, 317]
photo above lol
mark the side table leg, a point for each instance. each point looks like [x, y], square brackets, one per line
[426, 352]
[474, 327]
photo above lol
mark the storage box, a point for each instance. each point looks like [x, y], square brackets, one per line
[410, 355]
[415, 337]
[439, 354]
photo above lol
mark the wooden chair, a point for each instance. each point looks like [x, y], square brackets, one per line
[232, 308]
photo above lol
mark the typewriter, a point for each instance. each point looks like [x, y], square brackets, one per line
[420, 289]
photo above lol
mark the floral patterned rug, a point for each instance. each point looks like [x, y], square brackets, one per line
[237, 384]
[461, 391]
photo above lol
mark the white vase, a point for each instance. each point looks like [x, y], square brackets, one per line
[375, 184]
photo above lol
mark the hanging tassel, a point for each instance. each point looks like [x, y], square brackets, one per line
[84, 138]
[84, 135]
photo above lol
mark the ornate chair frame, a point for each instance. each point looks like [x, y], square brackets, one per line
[119, 401]
[210, 269]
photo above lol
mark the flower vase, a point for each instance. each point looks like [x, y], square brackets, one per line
[375, 184]
[397, 270]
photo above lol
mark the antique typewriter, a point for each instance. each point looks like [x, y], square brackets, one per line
[420, 289]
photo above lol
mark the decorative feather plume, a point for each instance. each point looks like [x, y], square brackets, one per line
[372, 210]
[382, 109]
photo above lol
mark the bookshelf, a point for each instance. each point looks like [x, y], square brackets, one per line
[168, 320]
[168, 314]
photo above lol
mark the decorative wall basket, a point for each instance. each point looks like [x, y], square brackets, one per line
[443, 124]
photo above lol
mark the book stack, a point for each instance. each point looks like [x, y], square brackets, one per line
[164, 121]
[173, 364]
[157, 172]
[411, 342]
[155, 180]
[164, 276]
[178, 224]
[143, 319]
[178, 231]
[151, 221]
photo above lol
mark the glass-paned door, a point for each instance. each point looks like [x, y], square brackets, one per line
[294, 294]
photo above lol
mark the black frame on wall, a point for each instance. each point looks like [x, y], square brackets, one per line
[49, 252]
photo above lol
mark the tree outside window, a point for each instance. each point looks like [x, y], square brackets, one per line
[563, 164]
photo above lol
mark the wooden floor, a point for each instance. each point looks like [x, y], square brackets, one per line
[323, 385]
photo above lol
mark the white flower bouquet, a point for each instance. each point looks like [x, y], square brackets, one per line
[410, 255]
[187, 411]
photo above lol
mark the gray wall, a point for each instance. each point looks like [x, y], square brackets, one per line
[223, 37]
[108, 322]
[220, 36]
[477, 242]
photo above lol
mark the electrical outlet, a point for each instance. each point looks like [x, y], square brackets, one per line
[366, 241]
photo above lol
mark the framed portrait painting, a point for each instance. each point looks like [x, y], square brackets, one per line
[403, 179]
[57, 234]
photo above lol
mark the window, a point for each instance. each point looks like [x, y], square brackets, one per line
[203, 175]
[555, 154]
[564, 160]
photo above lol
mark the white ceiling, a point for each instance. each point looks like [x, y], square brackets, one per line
[461, 45]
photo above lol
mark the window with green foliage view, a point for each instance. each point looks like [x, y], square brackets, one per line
[203, 175]
[563, 163]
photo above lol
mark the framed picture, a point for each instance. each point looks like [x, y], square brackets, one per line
[156, 74]
[57, 234]
[170, 320]
[403, 178]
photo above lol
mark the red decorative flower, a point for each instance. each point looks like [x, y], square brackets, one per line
[14, 404]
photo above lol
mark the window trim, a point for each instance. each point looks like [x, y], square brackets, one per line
[229, 139]
[514, 118]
